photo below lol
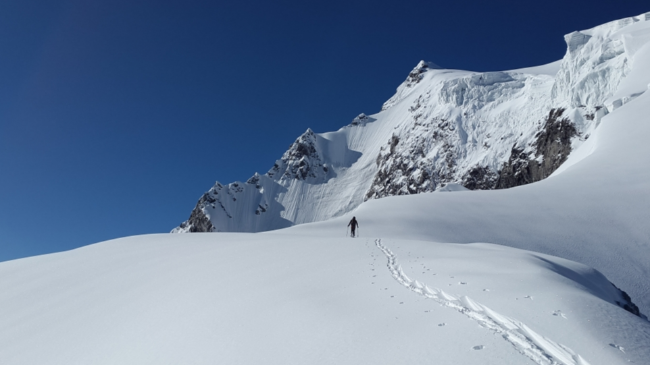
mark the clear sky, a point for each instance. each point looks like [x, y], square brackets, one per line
[115, 116]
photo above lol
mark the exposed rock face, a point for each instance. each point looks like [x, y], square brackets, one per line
[551, 148]
[301, 161]
[480, 178]
[428, 155]
[254, 206]
[361, 119]
[627, 304]
[450, 135]
[416, 75]
[398, 174]
[198, 221]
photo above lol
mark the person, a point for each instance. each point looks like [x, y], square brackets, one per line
[353, 225]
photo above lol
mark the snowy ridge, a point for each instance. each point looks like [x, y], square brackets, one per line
[309, 167]
[489, 130]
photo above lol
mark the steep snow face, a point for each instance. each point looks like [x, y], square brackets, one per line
[597, 61]
[481, 130]
[309, 168]
[460, 127]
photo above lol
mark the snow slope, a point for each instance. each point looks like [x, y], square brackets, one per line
[595, 212]
[289, 298]
[482, 130]
[594, 208]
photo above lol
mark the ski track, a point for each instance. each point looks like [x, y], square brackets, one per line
[536, 347]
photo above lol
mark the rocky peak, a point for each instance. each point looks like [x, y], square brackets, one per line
[301, 161]
[254, 180]
[415, 75]
[360, 119]
[199, 221]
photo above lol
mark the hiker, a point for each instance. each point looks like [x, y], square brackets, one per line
[353, 224]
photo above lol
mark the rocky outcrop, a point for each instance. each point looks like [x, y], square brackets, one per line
[198, 221]
[627, 304]
[361, 119]
[428, 155]
[301, 161]
[551, 148]
[415, 76]
[398, 174]
[480, 178]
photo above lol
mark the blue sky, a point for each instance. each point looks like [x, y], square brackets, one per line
[115, 116]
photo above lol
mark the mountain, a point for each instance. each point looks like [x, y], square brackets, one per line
[482, 130]
[586, 114]
[553, 272]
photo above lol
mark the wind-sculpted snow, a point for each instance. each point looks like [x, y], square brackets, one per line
[482, 130]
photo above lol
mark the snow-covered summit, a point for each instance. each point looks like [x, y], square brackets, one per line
[482, 130]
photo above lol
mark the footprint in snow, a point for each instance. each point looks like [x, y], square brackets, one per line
[486, 289]
[462, 283]
[528, 297]
[442, 324]
[620, 348]
[558, 313]
[479, 347]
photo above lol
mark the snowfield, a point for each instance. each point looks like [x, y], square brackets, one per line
[526, 275]
[289, 298]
